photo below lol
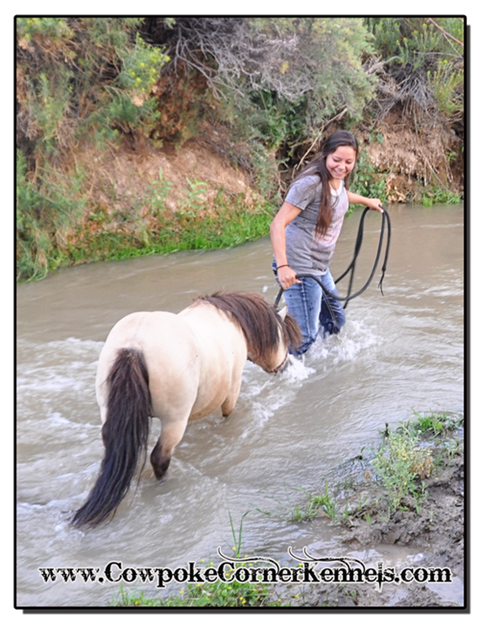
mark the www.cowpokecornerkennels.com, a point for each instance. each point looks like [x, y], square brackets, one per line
[308, 570]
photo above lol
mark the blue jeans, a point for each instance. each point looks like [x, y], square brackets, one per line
[315, 312]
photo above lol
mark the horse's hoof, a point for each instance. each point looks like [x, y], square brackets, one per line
[161, 469]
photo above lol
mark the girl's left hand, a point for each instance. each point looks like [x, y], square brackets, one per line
[375, 204]
[370, 202]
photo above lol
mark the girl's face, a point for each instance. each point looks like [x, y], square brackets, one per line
[340, 162]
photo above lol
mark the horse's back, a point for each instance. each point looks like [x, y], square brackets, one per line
[223, 353]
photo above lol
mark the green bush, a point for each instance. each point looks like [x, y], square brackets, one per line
[401, 463]
[425, 57]
[78, 79]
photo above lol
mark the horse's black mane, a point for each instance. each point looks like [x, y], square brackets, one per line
[258, 320]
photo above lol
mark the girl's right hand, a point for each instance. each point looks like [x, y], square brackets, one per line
[287, 277]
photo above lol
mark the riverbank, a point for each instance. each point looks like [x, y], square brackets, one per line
[425, 529]
[134, 200]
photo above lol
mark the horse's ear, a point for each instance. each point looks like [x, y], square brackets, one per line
[283, 313]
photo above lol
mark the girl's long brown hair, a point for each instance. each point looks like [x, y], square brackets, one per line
[318, 166]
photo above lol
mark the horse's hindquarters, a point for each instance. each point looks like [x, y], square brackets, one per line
[171, 356]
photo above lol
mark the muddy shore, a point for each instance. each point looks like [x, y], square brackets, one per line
[423, 532]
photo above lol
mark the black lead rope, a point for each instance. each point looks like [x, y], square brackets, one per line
[351, 267]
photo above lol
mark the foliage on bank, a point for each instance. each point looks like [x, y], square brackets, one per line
[248, 88]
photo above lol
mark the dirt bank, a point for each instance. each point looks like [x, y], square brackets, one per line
[412, 162]
[424, 532]
[416, 161]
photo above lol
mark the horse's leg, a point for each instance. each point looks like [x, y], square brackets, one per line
[172, 433]
[231, 401]
[227, 407]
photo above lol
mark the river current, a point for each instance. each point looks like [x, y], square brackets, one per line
[399, 353]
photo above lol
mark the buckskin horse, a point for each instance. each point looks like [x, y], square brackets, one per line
[176, 367]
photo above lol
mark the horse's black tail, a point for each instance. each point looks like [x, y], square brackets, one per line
[125, 436]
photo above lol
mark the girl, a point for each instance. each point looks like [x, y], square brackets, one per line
[304, 234]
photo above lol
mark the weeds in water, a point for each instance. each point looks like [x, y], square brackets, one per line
[237, 538]
[134, 598]
[436, 424]
[323, 504]
[232, 593]
[438, 195]
[314, 506]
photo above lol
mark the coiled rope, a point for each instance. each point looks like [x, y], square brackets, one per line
[386, 224]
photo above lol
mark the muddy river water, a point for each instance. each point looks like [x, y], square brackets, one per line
[398, 353]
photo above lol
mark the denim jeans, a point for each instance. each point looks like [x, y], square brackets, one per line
[315, 312]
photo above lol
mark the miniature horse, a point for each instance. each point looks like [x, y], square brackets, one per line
[176, 367]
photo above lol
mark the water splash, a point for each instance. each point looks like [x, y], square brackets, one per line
[297, 370]
[356, 338]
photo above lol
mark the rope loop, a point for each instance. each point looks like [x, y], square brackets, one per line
[351, 267]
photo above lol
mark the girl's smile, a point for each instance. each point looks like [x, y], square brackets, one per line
[340, 162]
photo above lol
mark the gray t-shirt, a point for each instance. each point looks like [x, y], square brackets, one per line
[305, 253]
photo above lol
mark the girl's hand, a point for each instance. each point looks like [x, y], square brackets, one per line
[375, 204]
[287, 277]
